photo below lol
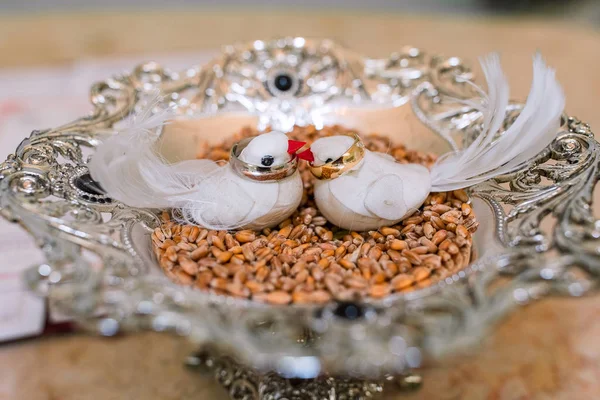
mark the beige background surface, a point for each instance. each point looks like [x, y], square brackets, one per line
[549, 350]
[571, 47]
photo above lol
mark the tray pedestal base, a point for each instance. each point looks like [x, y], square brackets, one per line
[243, 383]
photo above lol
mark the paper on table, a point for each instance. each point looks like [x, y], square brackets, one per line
[21, 313]
[40, 99]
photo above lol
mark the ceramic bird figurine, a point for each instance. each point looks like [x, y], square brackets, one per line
[362, 190]
[259, 187]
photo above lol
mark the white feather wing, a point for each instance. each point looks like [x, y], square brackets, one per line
[227, 201]
[128, 168]
[208, 207]
[351, 189]
[533, 130]
[385, 197]
[382, 188]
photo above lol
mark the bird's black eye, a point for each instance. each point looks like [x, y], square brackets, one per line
[328, 160]
[267, 161]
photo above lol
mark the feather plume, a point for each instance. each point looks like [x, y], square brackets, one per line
[489, 155]
[129, 169]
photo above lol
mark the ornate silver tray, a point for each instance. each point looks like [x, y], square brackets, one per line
[537, 234]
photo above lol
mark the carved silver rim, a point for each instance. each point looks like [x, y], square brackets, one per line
[41, 188]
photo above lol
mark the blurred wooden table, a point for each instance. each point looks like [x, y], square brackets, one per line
[550, 350]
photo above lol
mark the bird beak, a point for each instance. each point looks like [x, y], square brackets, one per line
[295, 145]
[306, 155]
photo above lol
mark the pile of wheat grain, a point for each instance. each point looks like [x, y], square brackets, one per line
[308, 260]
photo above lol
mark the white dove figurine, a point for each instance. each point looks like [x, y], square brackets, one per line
[362, 190]
[259, 187]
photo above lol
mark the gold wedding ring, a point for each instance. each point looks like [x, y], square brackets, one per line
[350, 159]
